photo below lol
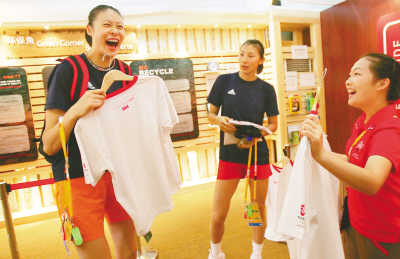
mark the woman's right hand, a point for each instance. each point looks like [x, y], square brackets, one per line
[225, 125]
[90, 101]
[312, 129]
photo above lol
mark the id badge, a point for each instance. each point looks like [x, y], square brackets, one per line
[253, 215]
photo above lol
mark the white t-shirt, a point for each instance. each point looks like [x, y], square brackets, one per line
[277, 189]
[310, 213]
[129, 136]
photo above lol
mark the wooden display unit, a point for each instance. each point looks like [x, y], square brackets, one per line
[304, 31]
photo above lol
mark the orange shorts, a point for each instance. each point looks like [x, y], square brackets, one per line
[229, 170]
[92, 204]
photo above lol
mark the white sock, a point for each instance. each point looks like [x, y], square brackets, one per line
[215, 248]
[257, 248]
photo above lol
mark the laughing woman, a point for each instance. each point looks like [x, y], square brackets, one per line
[371, 165]
[67, 101]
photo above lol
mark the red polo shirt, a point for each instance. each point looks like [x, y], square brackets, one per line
[377, 217]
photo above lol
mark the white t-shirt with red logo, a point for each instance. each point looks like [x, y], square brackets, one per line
[311, 210]
[129, 136]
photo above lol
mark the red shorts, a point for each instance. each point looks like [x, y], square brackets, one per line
[230, 170]
[92, 204]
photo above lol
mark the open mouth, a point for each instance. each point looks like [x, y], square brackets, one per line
[351, 93]
[112, 43]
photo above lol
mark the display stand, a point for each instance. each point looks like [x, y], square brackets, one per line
[295, 57]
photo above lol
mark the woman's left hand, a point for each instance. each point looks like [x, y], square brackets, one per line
[312, 129]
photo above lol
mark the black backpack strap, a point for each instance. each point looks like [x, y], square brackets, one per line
[81, 74]
[126, 69]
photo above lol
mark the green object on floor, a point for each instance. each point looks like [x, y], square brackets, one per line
[148, 236]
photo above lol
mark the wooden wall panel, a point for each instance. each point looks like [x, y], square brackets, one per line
[171, 41]
[201, 45]
[163, 39]
[349, 30]
[235, 40]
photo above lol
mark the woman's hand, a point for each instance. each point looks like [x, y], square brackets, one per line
[312, 129]
[225, 125]
[90, 100]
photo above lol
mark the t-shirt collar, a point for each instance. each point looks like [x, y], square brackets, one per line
[383, 114]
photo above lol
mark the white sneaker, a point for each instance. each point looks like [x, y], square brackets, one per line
[221, 255]
[255, 256]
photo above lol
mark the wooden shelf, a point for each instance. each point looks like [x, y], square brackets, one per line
[306, 31]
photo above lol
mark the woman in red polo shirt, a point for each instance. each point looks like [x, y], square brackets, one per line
[371, 165]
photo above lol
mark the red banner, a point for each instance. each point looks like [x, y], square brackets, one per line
[389, 35]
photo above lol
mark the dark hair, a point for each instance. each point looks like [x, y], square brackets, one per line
[260, 48]
[92, 16]
[383, 66]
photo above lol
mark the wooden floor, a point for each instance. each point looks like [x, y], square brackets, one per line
[182, 233]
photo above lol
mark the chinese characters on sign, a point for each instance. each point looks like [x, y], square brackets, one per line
[54, 43]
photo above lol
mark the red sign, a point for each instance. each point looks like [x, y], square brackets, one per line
[389, 35]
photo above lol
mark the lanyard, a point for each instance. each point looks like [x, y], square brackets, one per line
[255, 141]
[68, 227]
[65, 151]
[356, 141]
[252, 210]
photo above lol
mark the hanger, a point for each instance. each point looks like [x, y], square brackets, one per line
[112, 76]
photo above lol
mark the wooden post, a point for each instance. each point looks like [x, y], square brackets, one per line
[8, 221]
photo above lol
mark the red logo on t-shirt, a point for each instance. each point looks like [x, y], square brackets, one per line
[302, 210]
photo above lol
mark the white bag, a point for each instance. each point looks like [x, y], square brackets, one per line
[277, 188]
[310, 212]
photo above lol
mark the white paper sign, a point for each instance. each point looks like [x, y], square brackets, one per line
[299, 52]
[185, 124]
[248, 123]
[11, 109]
[291, 81]
[181, 102]
[307, 79]
[177, 84]
[230, 139]
[14, 139]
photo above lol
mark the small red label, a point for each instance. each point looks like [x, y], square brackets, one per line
[125, 107]
[302, 210]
